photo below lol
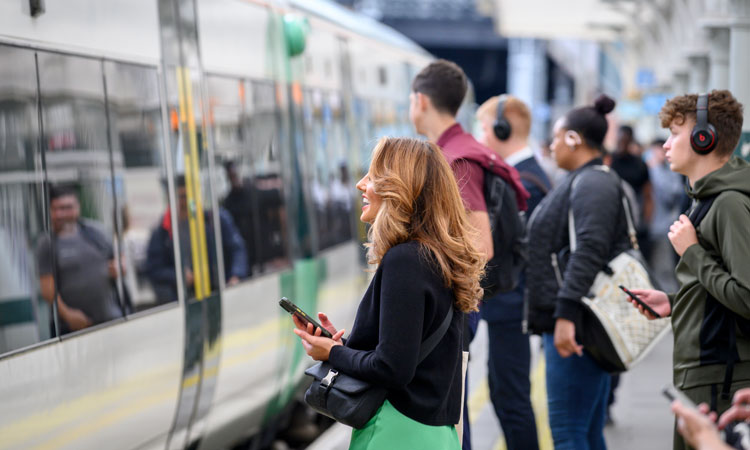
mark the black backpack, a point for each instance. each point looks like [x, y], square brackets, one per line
[508, 225]
[729, 321]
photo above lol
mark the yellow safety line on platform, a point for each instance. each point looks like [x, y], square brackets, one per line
[481, 397]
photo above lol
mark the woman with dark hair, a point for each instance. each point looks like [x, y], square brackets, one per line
[422, 244]
[557, 278]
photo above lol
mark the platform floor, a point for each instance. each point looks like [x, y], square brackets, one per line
[641, 415]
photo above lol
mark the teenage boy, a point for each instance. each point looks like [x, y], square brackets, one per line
[506, 121]
[711, 310]
[437, 93]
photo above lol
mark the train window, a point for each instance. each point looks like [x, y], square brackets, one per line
[331, 186]
[246, 133]
[25, 317]
[139, 172]
[81, 200]
[264, 135]
[234, 186]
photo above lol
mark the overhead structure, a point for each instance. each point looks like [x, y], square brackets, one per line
[665, 46]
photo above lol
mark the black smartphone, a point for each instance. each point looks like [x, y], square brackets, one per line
[640, 302]
[295, 310]
[672, 393]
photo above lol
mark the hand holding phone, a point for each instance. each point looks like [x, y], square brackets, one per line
[672, 393]
[640, 302]
[295, 310]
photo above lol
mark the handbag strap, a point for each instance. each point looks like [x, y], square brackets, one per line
[625, 204]
[429, 344]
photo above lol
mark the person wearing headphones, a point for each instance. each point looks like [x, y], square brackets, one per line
[711, 309]
[557, 278]
[506, 122]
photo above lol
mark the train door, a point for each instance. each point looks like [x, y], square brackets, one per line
[195, 233]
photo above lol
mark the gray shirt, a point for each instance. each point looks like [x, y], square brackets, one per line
[83, 273]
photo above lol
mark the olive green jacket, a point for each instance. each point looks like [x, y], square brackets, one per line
[714, 277]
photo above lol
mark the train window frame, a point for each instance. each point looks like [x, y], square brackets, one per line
[38, 181]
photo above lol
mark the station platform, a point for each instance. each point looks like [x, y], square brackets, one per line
[641, 415]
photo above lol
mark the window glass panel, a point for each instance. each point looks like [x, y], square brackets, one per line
[140, 174]
[25, 317]
[81, 201]
[264, 136]
[249, 183]
[331, 183]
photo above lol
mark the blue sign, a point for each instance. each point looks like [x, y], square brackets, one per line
[652, 103]
[645, 79]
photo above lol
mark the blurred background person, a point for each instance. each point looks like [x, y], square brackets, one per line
[79, 257]
[557, 279]
[505, 122]
[668, 197]
[160, 264]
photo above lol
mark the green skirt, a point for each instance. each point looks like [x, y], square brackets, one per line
[391, 430]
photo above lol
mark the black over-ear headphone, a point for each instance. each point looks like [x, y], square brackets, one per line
[501, 126]
[703, 137]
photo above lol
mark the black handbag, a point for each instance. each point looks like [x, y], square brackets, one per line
[352, 401]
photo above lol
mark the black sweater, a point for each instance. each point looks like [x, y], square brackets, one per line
[405, 302]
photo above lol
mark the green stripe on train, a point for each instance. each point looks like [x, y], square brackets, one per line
[16, 311]
[301, 286]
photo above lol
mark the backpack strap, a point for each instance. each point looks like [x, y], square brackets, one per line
[625, 204]
[429, 344]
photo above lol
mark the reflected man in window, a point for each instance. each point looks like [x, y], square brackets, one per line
[160, 265]
[83, 263]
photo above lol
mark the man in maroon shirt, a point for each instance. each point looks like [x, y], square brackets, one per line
[437, 93]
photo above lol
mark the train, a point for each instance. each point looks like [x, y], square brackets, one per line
[214, 145]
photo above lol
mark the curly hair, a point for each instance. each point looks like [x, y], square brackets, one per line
[724, 113]
[421, 202]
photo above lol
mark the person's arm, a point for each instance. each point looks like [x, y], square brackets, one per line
[596, 204]
[233, 244]
[480, 220]
[470, 178]
[393, 362]
[728, 281]
[75, 318]
[158, 267]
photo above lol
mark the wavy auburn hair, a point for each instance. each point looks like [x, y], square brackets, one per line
[421, 202]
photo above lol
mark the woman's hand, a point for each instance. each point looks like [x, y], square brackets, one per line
[317, 346]
[657, 300]
[565, 338]
[740, 410]
[697, 427]
[322, 318]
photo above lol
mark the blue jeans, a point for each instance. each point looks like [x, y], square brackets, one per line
[577, 394]
[508, 373]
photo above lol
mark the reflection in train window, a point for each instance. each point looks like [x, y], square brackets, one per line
[331, 186]
[81, 201]
[195, 219]
[25, 317]
[248, 169]
[140, 173]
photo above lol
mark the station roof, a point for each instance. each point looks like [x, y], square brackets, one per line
[599, 20]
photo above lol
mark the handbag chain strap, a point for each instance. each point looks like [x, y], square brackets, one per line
[628, 216]
[429, 344]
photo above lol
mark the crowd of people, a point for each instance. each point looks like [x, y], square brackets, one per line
[431, 209]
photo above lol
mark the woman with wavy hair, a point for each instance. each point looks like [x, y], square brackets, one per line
[422, 244]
